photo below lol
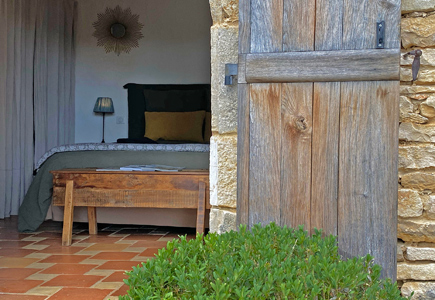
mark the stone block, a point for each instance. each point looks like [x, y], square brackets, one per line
[414, 89]
[427, 59]
[417, 5]
[417, 132]
[224, 11]
[429, 206]
[400, 251]
[213, 171]
[224, 41]
[422, 290]
[407, 113]
[420, 253]
[420, 230]
[410, 204]
[222, 221]
[418, 32]
[414, 271]
[427, 108]
[425, 75]
[416, 156]
[227, 171]
[419, 180]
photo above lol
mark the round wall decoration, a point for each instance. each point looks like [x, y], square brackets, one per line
[117, 30]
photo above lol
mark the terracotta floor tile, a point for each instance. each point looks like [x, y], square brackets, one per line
[60, 250]
[136, 231]
[50, 242]
[150, 244]
[115, 255]
[80, 294]
[150, 252]
[117, 276]
[118, 265]
[16, 262]
[64, 259]
[21, 297]
[16, 273]
[121, 291]
[11, 252]
[102, 239]
[18, 286]
[44, 290]
[143, 237]
[48, 234]
[108, 285]
[14, 244]
[107, 247]
[12, 236]
[71, 269]
[74, 280]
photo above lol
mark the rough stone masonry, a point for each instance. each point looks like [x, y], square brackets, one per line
[416, 226]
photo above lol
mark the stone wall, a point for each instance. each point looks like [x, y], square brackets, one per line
[416, 228]
[223, 144]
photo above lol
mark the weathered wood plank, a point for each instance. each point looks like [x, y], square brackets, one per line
[266, 25]
[265, 153]
[241, 72]
[389, 11]
[367, 208]
[115, 197]
[315, 66]
[298, 25]
[296, 113]
[329, 24]
[130, 181]
[243, 155]
[244, 26]
[359, 24]
[326, 130]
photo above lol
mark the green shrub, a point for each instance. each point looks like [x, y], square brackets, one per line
[264, 263]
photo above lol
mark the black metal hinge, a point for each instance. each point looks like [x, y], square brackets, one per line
[380, 35]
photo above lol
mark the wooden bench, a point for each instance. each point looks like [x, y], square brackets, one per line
[92, 188]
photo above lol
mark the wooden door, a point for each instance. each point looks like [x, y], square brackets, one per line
[318, 120]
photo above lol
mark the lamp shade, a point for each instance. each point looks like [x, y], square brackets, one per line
[104, 105]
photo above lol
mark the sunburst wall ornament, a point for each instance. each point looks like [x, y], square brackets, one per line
[118, 30]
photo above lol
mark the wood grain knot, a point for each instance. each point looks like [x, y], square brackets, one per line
[301, 123]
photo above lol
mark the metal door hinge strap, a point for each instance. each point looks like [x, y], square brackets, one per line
[380, 35]
[230, 72]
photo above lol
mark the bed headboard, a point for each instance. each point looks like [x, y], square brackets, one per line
[163, 97]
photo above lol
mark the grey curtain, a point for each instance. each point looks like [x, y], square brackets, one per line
[36, 89]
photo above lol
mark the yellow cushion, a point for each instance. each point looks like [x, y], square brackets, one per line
[175, 126]
[207, 128]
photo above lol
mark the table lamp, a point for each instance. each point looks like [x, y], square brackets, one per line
[104, 105]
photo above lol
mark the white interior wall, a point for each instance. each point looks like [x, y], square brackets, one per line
[175, 49]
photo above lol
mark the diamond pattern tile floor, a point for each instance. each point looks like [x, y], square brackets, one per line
[36, 266]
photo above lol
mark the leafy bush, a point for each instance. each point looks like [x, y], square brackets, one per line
[264, 263]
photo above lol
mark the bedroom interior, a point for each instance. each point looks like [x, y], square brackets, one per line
[175, 52]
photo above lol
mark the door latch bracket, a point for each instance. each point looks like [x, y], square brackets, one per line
[380, 35]
[230, 72]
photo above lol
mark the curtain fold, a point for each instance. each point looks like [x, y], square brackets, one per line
[27, 116]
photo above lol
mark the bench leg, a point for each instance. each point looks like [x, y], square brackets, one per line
[68, 214]
[92, 220]
[200, 216]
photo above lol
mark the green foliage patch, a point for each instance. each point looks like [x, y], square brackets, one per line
[267, 262]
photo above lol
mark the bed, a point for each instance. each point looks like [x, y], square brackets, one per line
[153, 138]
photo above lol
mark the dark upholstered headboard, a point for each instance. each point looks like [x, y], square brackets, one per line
[163, 97]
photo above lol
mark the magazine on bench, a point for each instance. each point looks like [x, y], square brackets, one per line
[159, 168]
